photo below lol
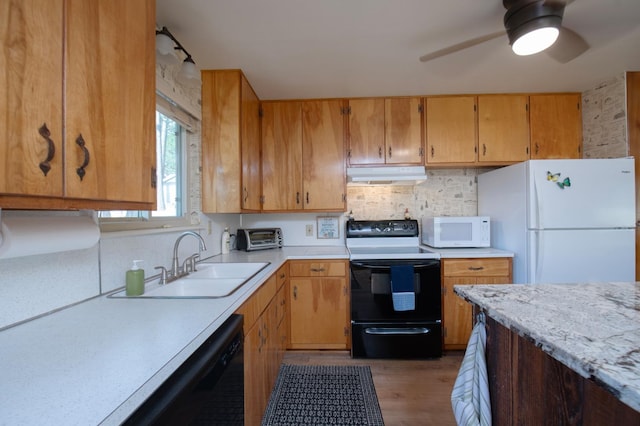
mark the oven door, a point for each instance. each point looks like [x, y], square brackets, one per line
[371, 297]
[408, 340]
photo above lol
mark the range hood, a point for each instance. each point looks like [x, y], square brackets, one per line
[386, 175]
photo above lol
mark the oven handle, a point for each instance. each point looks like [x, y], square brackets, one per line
[396, 330]
[416, 265]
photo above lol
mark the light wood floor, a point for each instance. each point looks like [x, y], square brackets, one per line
[409, 392]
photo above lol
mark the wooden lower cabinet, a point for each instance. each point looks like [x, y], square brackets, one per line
[318, 304]
[457, 318]
[264, 343]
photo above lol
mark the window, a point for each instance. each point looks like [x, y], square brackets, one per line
[171, 144]
[169, 149]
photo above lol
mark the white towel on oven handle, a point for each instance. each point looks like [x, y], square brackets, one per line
[470, 397]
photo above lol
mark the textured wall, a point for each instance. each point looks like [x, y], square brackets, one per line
[604, 121]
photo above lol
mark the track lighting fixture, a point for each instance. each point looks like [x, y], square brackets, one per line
[166, 54]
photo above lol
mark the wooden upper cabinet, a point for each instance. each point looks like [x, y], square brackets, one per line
[385, 131]
[282, 156]
[323, 155]
[503, 128]
[403, 130]
[112, 45]
[250, 140]
[451, 132]
[556, 126]
[366, 131]
[102, 55]
[228, 106]
[31, 97]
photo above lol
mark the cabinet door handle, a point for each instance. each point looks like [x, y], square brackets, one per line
[537, 148]
[475, 268]
[390, 152]
[51, 148]
[81, 170]
[295, 292]
[379, 152]
[246, 195]
[433, 152]
[484, 149]
[298, 197]
[307, 198]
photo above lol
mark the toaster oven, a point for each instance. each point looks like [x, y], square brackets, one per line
[250, 239]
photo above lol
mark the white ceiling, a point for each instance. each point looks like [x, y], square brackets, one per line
[357, 48]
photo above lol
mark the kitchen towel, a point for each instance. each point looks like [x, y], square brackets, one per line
[470, 396]
[31, 235]
[402, 291]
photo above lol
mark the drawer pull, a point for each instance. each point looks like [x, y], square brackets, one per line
[476, 268]
[317, 269]
[396, 330]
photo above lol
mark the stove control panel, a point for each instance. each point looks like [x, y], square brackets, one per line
[382, 228]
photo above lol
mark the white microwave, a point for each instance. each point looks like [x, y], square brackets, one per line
[458, 231]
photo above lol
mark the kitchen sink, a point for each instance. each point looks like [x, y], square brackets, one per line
[210, 281]
[196, 288]
[226, 270]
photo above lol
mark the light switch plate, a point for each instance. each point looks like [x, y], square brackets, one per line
[309, 230]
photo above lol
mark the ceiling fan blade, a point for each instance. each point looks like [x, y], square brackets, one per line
[460, 46]
[569, 46]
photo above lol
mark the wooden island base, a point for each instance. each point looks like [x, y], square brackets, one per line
[529, 387]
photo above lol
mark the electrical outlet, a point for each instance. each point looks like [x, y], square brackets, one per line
[309, 230]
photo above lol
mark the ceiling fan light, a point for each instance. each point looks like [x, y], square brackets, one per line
[532, 25]
[535, 41]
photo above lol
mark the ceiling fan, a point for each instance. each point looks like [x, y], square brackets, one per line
[523, 21]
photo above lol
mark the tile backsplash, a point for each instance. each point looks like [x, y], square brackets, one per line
[446, 192]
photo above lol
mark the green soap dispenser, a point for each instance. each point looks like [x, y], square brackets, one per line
[135, 280]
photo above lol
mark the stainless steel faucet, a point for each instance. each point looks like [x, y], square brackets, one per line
[175, 268]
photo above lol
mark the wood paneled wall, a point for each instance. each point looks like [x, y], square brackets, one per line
[633, 133]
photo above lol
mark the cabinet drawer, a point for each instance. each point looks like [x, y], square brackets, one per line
[331, 268]
[500, 266]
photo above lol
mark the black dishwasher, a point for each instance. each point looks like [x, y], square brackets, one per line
[207, 389]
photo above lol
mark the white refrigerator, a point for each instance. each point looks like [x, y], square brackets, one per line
[566, 221]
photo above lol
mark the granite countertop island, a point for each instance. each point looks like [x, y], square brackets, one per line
[593, 329]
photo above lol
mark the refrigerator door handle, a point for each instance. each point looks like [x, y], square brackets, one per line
[536, 211]
[537, 251]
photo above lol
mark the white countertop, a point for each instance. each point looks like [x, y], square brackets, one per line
[466, 253]
[594, 329]
[96, 362]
